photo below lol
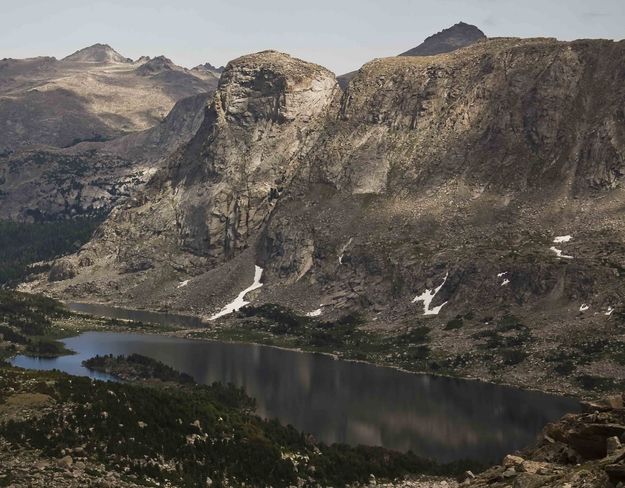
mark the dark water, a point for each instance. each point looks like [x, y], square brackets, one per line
[340, 401]
[160, 318]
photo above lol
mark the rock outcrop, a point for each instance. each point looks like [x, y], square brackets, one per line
[581, 450]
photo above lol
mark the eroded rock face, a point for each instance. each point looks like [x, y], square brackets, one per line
[264, 118]
[210, 202]
[465, 164]
[89, 178]
[63, 269]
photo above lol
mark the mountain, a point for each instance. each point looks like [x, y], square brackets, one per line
[210, 68]
[156, 65]
[98, 53]
[474, 193]
[455, 37]
[93, 94]
[87, 179]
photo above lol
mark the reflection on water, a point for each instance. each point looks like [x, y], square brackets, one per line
[340, 401]
[160, 318]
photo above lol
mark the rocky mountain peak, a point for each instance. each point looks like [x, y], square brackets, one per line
[210, 68]
[277, 65]
[448, 40]
[98, 53]
[156, 65]
[455, 37]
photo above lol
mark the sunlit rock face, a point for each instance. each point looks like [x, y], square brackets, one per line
[264, 117]
[211, 200]
[93, 94]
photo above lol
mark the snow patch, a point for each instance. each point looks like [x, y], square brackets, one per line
[427, 296]
[239, 301]
[584, 307]
[561, 239]
[505, 282]
[314, 313]
[609, 312]
[559, 253]
[343, 249]
[501, 275]
[183, 283]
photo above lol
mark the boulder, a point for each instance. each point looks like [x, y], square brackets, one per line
[62, 269]
[612, 444]
[511, 461]
[65, 462]
[531, 467]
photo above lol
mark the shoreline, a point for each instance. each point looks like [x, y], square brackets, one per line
[336, 357]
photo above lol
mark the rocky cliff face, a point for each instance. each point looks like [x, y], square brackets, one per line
[212, 200]
[453, 189]
[460, 188]
[88, 178]
[263, 119]
[483, 152]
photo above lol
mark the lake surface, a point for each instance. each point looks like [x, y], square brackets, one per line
[159, 318]
[340, 401]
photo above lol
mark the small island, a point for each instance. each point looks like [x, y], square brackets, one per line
[136, 367]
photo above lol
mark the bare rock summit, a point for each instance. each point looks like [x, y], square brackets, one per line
[455, 37]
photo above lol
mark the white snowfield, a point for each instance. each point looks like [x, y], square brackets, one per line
[314, 313]
[559, 253]
[427, 296]
[501, 275]
[183, 283]
[505, 282]
[609, 312]
[584, 307]
[561, 239]
[239, 301]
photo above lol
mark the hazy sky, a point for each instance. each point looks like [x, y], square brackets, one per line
[339, 34]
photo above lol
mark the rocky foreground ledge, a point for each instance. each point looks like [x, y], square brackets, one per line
[579, 451]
